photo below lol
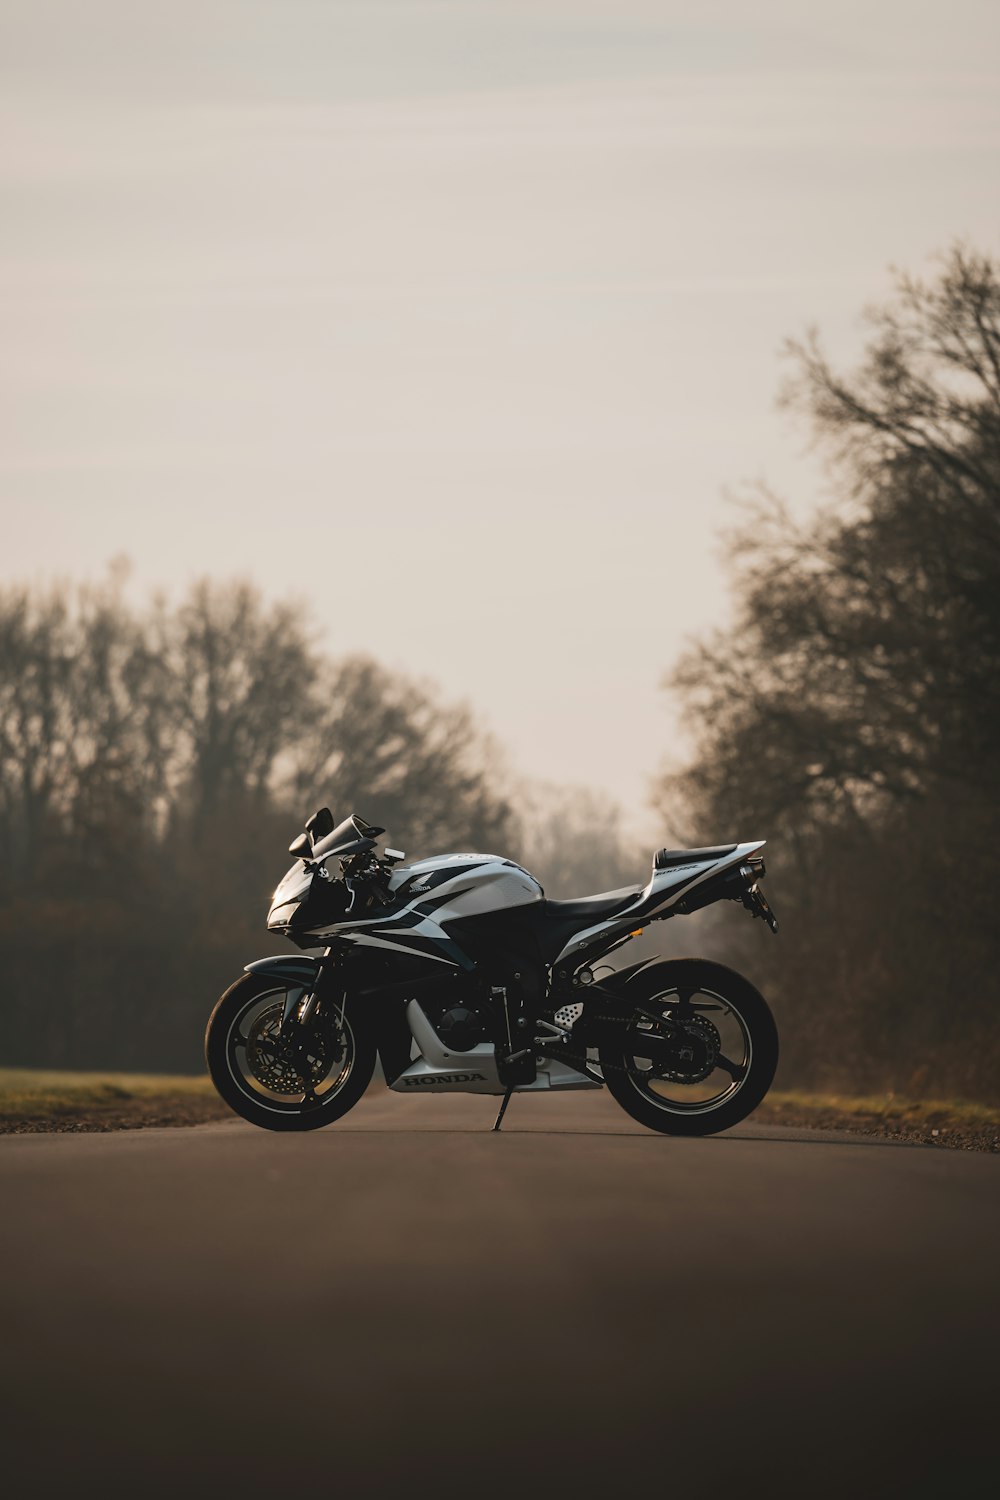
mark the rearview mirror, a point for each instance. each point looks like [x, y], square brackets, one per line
[301, 847]
[320, 824]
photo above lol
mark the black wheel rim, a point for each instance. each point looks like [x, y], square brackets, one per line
[268, 1079]
[695, 1009]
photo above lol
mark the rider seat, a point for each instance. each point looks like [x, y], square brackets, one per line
[562, 919]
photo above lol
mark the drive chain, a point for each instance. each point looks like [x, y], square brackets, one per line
[584, 1062]
[572, 1057]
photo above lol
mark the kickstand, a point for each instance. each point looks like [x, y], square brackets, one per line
[502, 1109]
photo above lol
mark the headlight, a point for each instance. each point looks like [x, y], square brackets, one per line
[281, 916]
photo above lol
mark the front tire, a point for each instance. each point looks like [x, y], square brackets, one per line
[244, 1057]
[699, 1085]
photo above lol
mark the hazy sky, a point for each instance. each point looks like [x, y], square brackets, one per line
[456, 318]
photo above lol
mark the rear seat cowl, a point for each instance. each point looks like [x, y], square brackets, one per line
[664, 859]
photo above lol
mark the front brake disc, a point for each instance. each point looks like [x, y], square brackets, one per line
[273, 1063]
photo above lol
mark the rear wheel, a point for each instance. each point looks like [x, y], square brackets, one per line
[696, 1053]
[279, 1083]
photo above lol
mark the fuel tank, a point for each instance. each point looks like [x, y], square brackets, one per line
[451, 886]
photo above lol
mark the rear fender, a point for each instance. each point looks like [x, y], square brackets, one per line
[643, 981]
[620, 992]
[615, 983]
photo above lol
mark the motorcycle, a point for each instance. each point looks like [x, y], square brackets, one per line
[459, 976]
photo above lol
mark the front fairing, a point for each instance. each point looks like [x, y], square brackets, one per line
[307, 899]
[292, 891]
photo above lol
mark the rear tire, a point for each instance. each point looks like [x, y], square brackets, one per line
[253, 1002]
[660, 988]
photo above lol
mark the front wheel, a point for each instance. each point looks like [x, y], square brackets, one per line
[695, 1050]
[279, 1084]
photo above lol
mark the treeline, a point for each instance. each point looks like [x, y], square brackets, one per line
[852, 712]
[154, 763]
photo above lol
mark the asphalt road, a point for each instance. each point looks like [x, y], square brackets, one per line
[409, 1302]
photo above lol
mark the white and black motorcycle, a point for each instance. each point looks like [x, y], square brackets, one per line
[460, 976]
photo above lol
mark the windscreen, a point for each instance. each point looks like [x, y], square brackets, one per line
[347, 838]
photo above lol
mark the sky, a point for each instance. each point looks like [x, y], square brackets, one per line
[456, 320]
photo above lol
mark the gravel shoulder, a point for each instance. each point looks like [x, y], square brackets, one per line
[957, 1124]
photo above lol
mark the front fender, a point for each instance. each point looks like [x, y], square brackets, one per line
[295, 968]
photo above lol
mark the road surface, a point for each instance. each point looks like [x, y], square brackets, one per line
[409, 1303]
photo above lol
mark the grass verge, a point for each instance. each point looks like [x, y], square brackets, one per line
[33, 1100]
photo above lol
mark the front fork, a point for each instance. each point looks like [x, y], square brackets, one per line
[300, 1002]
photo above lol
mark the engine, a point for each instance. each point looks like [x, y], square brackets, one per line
[461, 1028]
[512, 986]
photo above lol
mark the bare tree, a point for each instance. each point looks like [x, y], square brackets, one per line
[853, 711]
[378, 743]
[574, 841]
[243, 676]
[83, 731]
